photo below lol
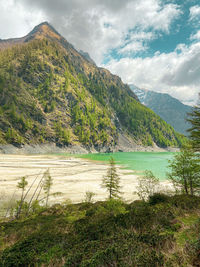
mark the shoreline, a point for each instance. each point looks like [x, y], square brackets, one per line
[72, 177]
[52, 148]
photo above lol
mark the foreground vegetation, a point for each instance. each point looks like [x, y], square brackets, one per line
[158, 230]
[163, 231]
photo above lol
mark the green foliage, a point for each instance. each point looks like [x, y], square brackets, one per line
[45, 83]
[63, 135]
[185, 171]
[194, 119]
[12, 136]
[47, 184]
[23, 183]
[111, 181]
[140, 121]
[109, 233]
[158, 198]
[21, 204]
[115, 207]
[91, 125]
[89, 196]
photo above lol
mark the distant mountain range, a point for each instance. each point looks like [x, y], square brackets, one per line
[167, 107]
[51, 93]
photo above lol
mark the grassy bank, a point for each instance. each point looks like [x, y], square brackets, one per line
[164, 231]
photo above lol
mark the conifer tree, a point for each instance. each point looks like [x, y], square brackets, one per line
[111, 180]
[47, 185]
[21, 185]
[194, 119]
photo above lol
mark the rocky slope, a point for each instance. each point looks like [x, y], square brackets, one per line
[49, 93]
[167, 107]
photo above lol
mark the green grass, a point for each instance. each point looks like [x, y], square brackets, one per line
[187, 231]
[105, 234]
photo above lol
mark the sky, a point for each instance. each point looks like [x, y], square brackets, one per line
[153, 44]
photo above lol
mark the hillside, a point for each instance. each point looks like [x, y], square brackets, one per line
[161, 232]
[167, 107]
[49, 93]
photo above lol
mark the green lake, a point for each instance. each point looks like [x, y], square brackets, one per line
[157, 162]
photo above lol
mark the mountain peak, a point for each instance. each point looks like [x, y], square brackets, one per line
[44, 29]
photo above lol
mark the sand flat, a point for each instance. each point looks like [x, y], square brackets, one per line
[72, 177]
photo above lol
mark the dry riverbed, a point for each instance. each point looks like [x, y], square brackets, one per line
[72, 177]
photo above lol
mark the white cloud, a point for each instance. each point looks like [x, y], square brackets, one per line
[137, 42]
[98, 26]
[132, 48]
[95, 26]
[15, 21]
[195, 36]
[194, 12]
[176, 73]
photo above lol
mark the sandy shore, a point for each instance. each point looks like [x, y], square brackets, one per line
[72, 177]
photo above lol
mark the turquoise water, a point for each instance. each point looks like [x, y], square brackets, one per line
[157, 162]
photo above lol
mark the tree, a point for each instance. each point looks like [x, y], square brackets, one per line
[111, 180]
[21, 185]
[48, 182]
[89, 196]
[185, 171]
[194, 119]
[147, 185]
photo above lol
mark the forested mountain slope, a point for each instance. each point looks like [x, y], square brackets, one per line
[50, 93]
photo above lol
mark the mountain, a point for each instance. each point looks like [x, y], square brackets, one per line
[87, 57]
[49, 93]
[167, 107]
[41, 31]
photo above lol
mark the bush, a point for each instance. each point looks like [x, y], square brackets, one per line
[187, 202]
[147, 185]
[158, 198]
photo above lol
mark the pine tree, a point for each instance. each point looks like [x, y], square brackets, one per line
[21, 185]
[111, 180]
[47, 185]
[194, 119]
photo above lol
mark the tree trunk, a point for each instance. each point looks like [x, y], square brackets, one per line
[110, 193]
[185, 186]
[20, 205]
[47, 199]
[191, 187]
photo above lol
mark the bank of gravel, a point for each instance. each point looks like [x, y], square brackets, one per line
[52, 148]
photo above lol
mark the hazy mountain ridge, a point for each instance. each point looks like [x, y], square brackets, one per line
[50, 93]
[87, 56]
[167, 107]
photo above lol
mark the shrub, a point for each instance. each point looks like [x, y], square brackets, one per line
[147, 185]
[89, 197]
[158, 198]
[185, 201]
